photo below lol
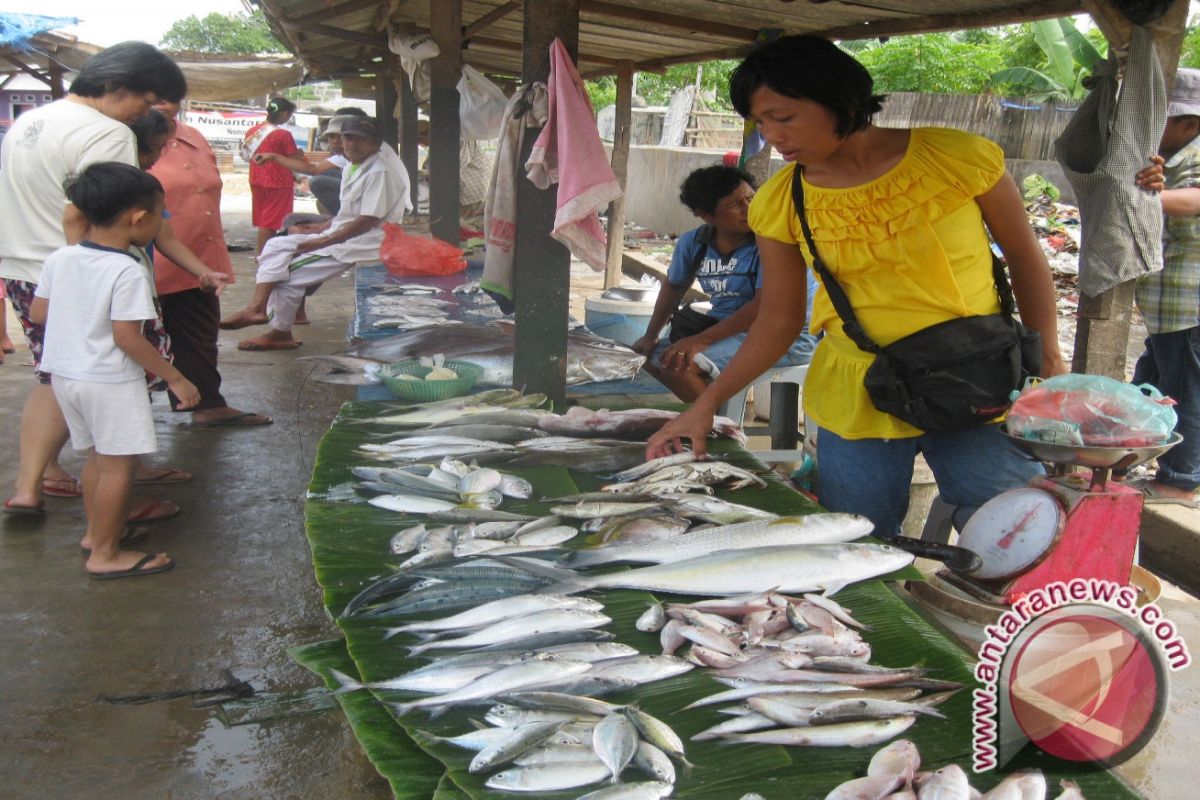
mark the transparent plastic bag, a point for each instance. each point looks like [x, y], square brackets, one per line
[1092, 410]
[410, 256]
[480, 105]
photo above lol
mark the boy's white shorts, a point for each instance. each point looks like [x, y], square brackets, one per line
[114, 418]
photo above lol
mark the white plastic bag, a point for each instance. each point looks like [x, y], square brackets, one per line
[480, 105]
[417, 47]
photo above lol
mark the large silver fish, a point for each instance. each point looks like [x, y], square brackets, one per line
[636, 424]
[508, 679]
[807, 530]
[589, 357]
[517, 629]
[848, 734]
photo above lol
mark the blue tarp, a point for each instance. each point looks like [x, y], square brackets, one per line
[18, 29]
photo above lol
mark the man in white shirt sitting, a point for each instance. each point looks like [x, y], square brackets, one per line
[375, 190]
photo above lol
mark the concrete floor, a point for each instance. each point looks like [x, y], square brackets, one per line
[243, 592]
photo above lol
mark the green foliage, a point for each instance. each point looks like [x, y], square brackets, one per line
[1190, 55]
[935, 63]
[301, 93]
[237, 33]
[1036, 185]
[1068, 57]
[602, 92]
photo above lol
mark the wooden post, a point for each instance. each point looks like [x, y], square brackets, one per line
[385, 97]
[408, 134]
[57, 90]
[444, 127]
[542, 266]
[620, 167]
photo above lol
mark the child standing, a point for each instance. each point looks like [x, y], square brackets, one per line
[93, 298]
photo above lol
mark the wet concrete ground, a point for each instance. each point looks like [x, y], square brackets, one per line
[243, 592]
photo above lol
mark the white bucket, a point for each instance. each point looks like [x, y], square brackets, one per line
[620, 320]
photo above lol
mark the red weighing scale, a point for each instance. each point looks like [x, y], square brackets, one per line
[1062, 526]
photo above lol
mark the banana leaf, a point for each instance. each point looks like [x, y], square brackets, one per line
[350, 548]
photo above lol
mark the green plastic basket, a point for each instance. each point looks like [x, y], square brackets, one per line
[423, 391]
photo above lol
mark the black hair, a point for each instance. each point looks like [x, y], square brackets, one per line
[133, 66]
[704, 188]
[147, 128]
[278, 108]
[350, 111]
[107, 189]
[808, 68]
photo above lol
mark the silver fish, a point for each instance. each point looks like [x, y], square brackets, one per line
[615, 741]
[646, 790]
[503, 715]
[473, 740]
[657, 733]
[545, 537]
[807, 530]
[871, 787]
[411, 504]
[507, 679]
[525, 737]
[637, 530]
[654, 762]
[652, 619]
[653, 465]
[459, 515]
[781, 713]
[556, 701]
[557, 754]
[548, 777]
[741, 724]
[499, 610]
[836, 609]
[590, 510]
[426, 558]
[520, 628]
[855, 710]
[513, 486]
[640, 669]
[900, 757]
[948, 783]
[479, 481]
[849, 734]
[792, 569]
[1022, 785]
[408, 540]
[1070, 791]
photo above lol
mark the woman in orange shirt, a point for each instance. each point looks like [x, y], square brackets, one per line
[188, 172]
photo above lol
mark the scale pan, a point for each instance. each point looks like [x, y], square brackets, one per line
[1094, 457]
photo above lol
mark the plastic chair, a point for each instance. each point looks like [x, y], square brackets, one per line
[783, 429]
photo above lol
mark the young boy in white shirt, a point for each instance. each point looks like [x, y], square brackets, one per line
[92, 298]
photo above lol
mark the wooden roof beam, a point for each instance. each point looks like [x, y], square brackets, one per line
[490, 17]
[515, 47]
[1045, 9]
[21, 65]
[724, 30]
[376, 41]
[333, 12]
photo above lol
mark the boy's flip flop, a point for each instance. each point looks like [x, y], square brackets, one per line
[156, 510]
[133, 572]
[23, 511]
[255, 345]
[61, 487]
[165, 475]
[131, 536]
[245, 419]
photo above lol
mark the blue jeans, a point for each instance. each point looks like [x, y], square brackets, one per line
[722, 352]
[1172, 363]
[872, 476]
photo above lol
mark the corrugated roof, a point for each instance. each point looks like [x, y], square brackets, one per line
[342, 39]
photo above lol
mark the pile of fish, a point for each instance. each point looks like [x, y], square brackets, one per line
[589, 357]
[548, 742]
[894, 773]
[425, 488]
[798, 671]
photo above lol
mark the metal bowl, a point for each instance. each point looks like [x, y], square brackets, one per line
[1094, 457]
[632, 294]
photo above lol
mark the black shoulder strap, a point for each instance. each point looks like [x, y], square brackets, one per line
[837, 296]
[698, 256]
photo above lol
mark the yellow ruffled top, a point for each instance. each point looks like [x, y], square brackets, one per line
[909, 249]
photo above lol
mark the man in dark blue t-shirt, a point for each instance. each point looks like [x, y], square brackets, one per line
[723, 256]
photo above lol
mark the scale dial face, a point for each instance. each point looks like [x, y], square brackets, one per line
[1012, 531]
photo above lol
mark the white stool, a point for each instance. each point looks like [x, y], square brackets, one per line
[783, 429]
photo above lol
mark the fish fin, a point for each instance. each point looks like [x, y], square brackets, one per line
[400, 709]
[539, 568]
[479, 726]
[390, 632]
[417, 649]
[833, 588]
[564, 587]
[345, 682]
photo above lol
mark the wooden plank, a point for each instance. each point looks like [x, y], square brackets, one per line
[620, 167]
[408, 135]
[444, 125]
[377, 41]
[1102, 335]
[325, 14]
[490, 17]
[725, 30]
[21, 65]
[385, 97]
[542, 279]
[870, 29]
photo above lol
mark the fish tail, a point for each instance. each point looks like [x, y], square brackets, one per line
[417, 649]
[345, 682]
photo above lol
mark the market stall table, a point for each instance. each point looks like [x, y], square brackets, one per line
[350, 540]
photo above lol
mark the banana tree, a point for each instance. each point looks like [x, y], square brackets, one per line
[1070, 58]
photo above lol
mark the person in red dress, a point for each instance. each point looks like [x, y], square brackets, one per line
[271, 185]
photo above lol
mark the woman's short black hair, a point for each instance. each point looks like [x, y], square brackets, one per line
[808, 68]
[107, 189]
[149, 127]
[704, 188]
[133, 66]
[279, 108]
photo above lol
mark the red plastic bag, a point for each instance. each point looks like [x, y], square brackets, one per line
[1092, 410]
[409, 256]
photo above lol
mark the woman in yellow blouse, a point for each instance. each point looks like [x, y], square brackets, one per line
[901, 218]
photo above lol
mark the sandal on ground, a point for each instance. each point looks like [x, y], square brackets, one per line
[137, 570]
[1153, 496]
[156, 510]
[165, 475]
[131, 536]
[255, 345]
[245, 419]
[61, 487]
[23, 511]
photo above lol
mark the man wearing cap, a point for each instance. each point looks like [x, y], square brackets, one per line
[327, 181]
[374, 190]
[1170, 300]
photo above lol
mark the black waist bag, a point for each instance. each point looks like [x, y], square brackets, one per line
[950, 376]
[688, 322]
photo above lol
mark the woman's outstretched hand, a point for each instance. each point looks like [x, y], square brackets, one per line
[695, 424]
